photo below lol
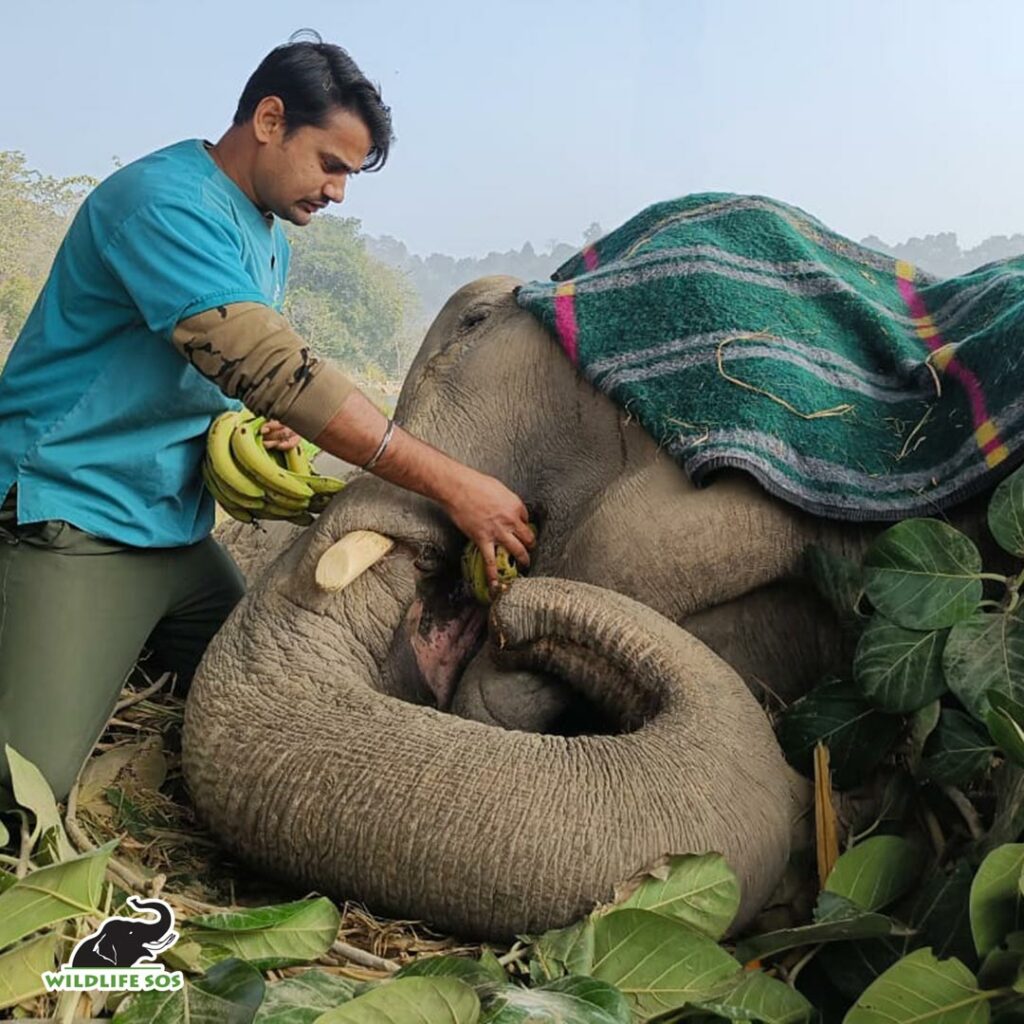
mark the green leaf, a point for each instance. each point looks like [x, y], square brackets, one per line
[700, 890]
[839, 580]
[423, 1000]
[939, 912]
[755, 996]
[958, 751]
[303, 998]
[899, 669]
[996, 904]
[1009, 736]
[985, 653]
[492, 965]
[920, 989]
[840, 920]
[33, 792]
[575, 1000]
[1006, 513]
[5, 836]
[921, 574]
[475, 975]
[21, 969]
[660, 964]
[920, 726]
[229, 993]
[564, 950]
[858, 736]
[875, 872]
[53, 893]
[1004, 719]
[192, 958]
[1002, 966]
[936, 915]
[268, 937]
[852, 966]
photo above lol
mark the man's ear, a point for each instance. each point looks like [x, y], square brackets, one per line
[268, 119]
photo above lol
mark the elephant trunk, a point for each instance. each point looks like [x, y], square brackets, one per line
[164, 918]
[484, 831]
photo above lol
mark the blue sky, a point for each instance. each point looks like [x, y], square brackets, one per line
[529, 120]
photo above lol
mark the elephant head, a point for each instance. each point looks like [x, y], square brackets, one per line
[607, 733]
[122, 941]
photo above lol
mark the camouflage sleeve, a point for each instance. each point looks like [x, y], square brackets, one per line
[251, 353]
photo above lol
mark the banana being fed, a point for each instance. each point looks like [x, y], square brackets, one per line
[250, 481]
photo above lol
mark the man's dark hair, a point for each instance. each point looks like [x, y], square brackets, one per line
[312, 78]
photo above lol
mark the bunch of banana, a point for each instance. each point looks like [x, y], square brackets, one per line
[250, 481]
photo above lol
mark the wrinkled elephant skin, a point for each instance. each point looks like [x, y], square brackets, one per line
[362, 743]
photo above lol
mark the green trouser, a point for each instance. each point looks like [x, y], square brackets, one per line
[76, 611]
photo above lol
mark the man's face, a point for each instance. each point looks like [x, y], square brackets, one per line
[293, 177]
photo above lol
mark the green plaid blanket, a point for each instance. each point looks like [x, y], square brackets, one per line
[742, 332]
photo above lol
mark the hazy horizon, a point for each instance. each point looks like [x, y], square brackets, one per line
[526, 122]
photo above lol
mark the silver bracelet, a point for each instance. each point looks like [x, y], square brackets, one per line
[383, 445]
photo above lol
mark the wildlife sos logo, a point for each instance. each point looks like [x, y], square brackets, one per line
[118, 956]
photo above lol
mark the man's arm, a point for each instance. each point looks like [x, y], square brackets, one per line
[252, 353]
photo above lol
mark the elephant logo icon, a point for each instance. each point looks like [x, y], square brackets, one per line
[125, 941]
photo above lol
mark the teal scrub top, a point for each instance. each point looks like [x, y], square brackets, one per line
[102, 420]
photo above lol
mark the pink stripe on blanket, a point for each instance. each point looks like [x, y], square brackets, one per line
[590, 259]
[565, 319]
[985, 433]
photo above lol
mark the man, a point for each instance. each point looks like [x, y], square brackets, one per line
[160, 312]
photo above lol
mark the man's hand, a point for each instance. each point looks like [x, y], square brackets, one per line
[483, 508]
[277, 435]
[488, 513]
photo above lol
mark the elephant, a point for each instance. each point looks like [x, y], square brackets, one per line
[498, 773]
[123, 941]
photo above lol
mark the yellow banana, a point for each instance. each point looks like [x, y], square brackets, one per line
[320, 484]
[475, 573]
[248, 449]
[296, 461]
[271, 511]
[298, 464]
[286, 501]
[235, 511]
[242, 500]
[218, 448]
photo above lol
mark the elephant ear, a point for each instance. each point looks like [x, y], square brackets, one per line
[104, 947]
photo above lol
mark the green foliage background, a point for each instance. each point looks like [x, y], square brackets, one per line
[350, 306]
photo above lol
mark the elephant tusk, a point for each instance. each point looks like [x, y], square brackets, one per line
[347, 559]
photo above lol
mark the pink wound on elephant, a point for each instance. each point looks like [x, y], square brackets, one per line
[565, 318]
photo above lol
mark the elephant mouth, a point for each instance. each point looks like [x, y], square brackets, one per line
[443, 629]
[439, 654]
[443, 626]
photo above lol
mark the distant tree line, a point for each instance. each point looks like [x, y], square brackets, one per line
[941, 254]
[363, 301]
[434, 278]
